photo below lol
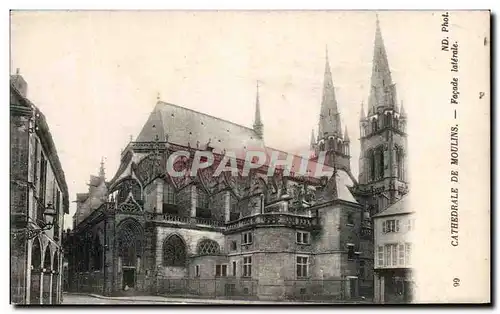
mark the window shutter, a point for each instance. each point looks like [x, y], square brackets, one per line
[397, 225]
[383, 227]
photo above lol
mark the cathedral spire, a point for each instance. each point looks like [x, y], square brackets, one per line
[362, 116]
[403, 111]
[329, 119]
[257, 125]
[382, 92]
[346, 135]
[102, 174]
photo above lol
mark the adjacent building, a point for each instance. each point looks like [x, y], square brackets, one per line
[38, 202]
[268, 236]
[394, 228]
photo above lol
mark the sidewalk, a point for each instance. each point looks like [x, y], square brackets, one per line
[167, 300]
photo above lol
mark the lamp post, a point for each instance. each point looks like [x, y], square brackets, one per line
[33, 230]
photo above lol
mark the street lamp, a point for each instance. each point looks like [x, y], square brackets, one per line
[40, 225]
[46, 224]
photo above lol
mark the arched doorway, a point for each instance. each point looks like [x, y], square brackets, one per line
[55, 279]
[130, 250]
[36, 271]
[46, 272]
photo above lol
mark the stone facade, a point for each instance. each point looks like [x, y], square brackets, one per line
[36, 181]
[249, 243]
[270, 236]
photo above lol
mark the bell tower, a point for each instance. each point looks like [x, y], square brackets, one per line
[382, 162]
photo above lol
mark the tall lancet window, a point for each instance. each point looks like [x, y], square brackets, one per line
[388, 119]
[396, 123]
[400, 163]
[168, 193]
[381, 162]
[202, 206]
[374, 125]
[371, 164]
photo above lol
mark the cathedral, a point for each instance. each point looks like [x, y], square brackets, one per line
[264, 236]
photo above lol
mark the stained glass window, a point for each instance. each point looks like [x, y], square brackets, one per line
[174, 251]
[208, 247]
[168, 194]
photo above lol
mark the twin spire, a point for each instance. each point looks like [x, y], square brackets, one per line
[382, 94]
[258, 126]
[329, 118]
[382, 90]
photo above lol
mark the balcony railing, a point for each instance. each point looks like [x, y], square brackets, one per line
[273, 218]
[184, 220]
[284, 219]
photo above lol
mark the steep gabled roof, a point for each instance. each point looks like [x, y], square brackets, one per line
[187, 127]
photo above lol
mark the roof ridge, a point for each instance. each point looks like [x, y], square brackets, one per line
[205, 114]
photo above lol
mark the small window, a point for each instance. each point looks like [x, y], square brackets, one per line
[302, 266]
[247, 266]
[350, 252]
[390, 226]
[302, 237]
[350, 219]
[247, 238]
[401, 255]
[233, 245]
[221, 270]
[197, 270]
[408, 254]
[234, 268]
[380, 256]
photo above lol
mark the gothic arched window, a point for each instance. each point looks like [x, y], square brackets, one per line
[381, 161]
[331, 144]
[371, 164]
[127, 186]
[388, 119]
[400, 163]
[203, 199]
[396, 123]
[374, 125]
[174, 251]
[208, 247]
[168, 193]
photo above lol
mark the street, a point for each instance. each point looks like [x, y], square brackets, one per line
[88, 300]
[95, 299]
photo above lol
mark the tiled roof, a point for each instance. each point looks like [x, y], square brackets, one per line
[185, 126]
[403, 206]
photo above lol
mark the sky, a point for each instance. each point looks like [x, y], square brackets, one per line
[96, 77]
